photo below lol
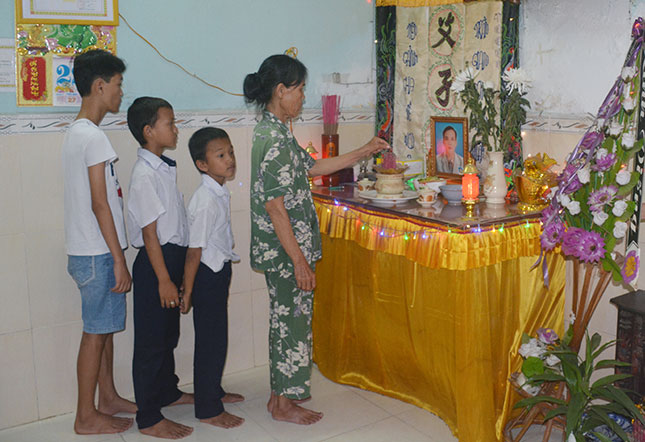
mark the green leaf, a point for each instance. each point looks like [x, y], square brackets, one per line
[608, 363]
[602, 438]
[532, 366]
[525, 338]
[530, 402]
[576, 407]
[610, 423]
[558, 411]
[607, 380]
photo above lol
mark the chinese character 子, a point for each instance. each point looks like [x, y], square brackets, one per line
[410, 57]
[481, 29]
[408, 85]
[412, 30]
[480, 60]
[408, 139]
[443, 92]
[445, 29]
[408, 111]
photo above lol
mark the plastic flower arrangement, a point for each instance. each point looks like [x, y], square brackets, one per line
[481, 101]
[591, 205]
[589, 407]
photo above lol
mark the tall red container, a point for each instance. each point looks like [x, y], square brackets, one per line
[330, 149]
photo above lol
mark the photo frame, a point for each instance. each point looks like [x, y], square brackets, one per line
[66, 12]
[447, 134]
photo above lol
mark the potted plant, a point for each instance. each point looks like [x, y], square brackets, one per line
[584, 404]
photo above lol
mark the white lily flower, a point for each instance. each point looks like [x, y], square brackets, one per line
[574, 207]
[628, 139]
[615, 128]
[619, 208]
[564, 199]
[623, 177]
[620, 228]
[599, 218]
[584, 175]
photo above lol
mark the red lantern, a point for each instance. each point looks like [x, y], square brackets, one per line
[470, 187]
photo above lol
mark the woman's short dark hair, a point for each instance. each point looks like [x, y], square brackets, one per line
[200, 139]
[259, 86]
[144, 112]
[94, 64]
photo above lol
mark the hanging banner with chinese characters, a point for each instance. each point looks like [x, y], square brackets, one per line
[56, 45]
[433, 44]
[33, 80]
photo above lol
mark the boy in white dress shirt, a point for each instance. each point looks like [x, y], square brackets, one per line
[207, 274]
[94, 239]
[158, 227]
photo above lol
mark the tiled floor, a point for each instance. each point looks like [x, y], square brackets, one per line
[351, 415]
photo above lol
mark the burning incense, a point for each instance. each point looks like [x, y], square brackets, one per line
[331, 110]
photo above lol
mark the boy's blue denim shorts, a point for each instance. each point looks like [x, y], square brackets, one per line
[103, 311]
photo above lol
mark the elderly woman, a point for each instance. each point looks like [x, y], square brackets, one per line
[285, 238]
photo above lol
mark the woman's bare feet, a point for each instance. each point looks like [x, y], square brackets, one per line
[224, 420]
[116, 405]
[273, 398]
[167, 429]
[100, 423]
[185, 398]
[285, 409]
[231, 398]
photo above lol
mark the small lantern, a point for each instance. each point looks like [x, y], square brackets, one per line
[470, 187]
[311, 150]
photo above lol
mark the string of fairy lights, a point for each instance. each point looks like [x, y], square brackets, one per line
[350, 213]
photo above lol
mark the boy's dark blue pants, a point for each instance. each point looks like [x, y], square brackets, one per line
[210, 317]
[156, 333]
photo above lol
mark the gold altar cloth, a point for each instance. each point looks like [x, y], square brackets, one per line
[435, 322]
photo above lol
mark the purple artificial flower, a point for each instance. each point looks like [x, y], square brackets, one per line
[630, 267]
[547, 335]
[568, 179]
[601, 197]
[591, 140]
[592, 246]
[572, 241]
[552, 234]
[603, 161]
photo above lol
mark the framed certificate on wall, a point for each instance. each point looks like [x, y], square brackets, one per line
[82, 12]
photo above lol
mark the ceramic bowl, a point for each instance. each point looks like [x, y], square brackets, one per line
[433, 183]
[452, 193]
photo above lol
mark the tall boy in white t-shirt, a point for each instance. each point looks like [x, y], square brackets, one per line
[95, 238]
[207, 274]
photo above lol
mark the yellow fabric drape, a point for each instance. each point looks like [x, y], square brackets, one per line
[444, 339]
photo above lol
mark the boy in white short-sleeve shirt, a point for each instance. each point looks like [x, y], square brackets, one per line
[207, 275]
[95, 238]
[158, 227]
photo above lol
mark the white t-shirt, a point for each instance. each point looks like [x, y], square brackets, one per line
[209, 220]
[86, 145]
[154, 196]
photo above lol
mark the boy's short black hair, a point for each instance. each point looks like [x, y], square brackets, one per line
[200, 139]
[143, 112]
[94, 64]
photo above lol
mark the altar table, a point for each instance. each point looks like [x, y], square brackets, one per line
[428, 307]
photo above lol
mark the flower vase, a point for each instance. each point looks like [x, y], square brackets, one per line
[495, 183]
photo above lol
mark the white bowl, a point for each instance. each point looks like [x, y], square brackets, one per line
[452, 193]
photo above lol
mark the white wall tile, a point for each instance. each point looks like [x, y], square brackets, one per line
[53, 295]
[14, 316]
[18, 386]
[42, 182]
[55, 354]
[240, 333]
[11, 215]
[261, 327]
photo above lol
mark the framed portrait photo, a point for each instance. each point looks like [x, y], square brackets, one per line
[448, 151]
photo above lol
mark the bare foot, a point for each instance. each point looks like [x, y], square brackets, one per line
[301, 401]
[274, 397]
[231, 398]
[116, 405]
[167, 429]
[285, 409]
[224, 420]
[185, 398]
[100, 423]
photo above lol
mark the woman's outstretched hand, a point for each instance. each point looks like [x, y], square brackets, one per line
[375, 145]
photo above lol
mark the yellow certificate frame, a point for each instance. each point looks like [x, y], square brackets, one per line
[27, 12]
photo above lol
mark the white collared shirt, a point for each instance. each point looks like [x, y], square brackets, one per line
[86, 145]
[154, 196]
[209, 219]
